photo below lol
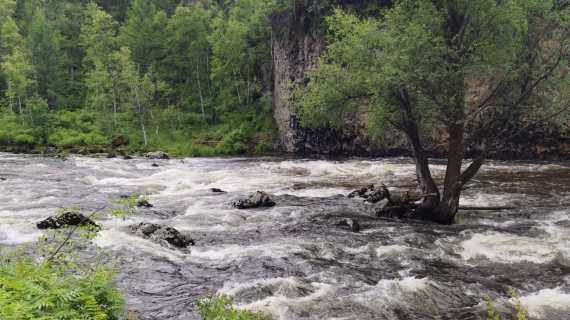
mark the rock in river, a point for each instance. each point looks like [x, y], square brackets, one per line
[371, 193]
[157, 155]
[256, 200]
[66, 219]
[162, 235]
[352, 224]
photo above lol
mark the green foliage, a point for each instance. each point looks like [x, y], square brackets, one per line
[164, 74]
[413, 46]
[43, 290]
[56, 284]
[493, 314]
[220, 307]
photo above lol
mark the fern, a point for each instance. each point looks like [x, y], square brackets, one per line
[47, 290]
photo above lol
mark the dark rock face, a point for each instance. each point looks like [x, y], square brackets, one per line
[162, 235]
[256, 200]
[297, 45]
[66, 219]
[352, 224]
[157, 155]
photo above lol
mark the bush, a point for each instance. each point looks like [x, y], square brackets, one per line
[44, 290]
[220, 308]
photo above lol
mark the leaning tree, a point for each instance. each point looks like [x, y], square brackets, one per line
[482, 71]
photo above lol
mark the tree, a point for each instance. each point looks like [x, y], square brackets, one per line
[241, 49]
[16, 66]
[186, 64]
[137, 89]
[98, 38]
[476, 69]
[143, 33]
[49, 72]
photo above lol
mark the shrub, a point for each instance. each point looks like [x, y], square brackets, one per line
[45, 290]
[221, 308]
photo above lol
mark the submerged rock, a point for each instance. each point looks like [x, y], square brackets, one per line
[257, 200]
[352, 224]
[162, 234]
[66, 219]
[216, 190]
[157, 155]
[155, 165]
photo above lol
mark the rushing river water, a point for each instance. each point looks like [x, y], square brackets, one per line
[292, 261]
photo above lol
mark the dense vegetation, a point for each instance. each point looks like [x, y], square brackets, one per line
[185, 76]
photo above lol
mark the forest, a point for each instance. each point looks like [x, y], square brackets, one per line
[188, 77]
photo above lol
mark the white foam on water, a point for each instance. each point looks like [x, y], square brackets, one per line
[536, 303]
[506, 248]
[14, 234]
[119, 240]
[391, 250]
[232, 252]
[281, 306]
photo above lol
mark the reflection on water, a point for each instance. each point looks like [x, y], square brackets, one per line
[291, 260]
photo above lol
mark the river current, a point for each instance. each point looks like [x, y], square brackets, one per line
[292, 261]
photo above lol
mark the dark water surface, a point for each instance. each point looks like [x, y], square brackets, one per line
[292, 261]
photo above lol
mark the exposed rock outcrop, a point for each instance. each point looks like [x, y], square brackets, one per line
[66, 219]
[163, 235]
[257, 200]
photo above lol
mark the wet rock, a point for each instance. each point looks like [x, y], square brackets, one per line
[143, 203]
[2, 179]
[162, 234]
[118, 141]
[157, 155]
[371, 193]
[256, 200]
[216, 190]
[352, 224]
[155, 165]
[111, 155]
[127, 157]
[66, 219]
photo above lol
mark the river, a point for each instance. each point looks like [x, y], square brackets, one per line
[292, 261]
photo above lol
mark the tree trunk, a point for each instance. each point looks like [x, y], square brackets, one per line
[445, 213]
[423, 173]
[200, 92]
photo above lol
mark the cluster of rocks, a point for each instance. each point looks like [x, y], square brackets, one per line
[257, 200]
[157, 155]
[66, 219]
[401, 205]
[371, 193]
[161, 234]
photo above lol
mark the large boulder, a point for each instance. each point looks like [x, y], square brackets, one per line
[157, 155]
[163, 235]
[66, 219]
[257, 200]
